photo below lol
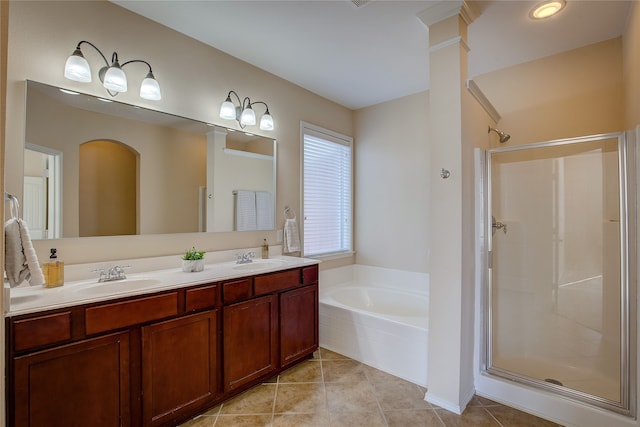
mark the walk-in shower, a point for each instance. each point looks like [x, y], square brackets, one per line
[556, 295]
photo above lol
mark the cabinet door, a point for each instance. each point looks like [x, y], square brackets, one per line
[80, 384]
[250, 340]
[179, 366]
[298, 323]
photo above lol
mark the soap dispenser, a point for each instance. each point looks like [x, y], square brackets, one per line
[265, 249]
[53, 271]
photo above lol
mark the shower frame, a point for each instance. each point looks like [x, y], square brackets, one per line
[627, 199]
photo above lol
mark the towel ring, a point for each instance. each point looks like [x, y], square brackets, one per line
[14, 205]
[287, 211]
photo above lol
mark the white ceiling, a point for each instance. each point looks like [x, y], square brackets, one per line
[361, 56]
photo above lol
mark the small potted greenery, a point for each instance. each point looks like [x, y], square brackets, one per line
[193, 260]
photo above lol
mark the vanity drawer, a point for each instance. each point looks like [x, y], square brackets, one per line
[201, 298]
[276, 281]
[309, 275]
[40, 331]
[106, 317]
[237, 290]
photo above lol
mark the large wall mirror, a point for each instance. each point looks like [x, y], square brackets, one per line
[96, 167]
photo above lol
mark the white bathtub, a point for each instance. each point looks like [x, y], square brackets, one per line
[378, 317]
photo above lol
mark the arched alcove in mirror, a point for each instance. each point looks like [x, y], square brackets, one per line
[108, 189]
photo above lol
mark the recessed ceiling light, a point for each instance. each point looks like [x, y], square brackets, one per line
[547, 9]
[69, 92]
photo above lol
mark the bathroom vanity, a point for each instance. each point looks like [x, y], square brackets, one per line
[163, 354]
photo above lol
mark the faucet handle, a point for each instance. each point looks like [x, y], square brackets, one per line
[119, 270]
[103, 274]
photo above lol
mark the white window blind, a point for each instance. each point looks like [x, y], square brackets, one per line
[327, 192]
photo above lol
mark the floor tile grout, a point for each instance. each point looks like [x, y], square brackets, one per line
[391, 402]
[275, 400]
[492, 416]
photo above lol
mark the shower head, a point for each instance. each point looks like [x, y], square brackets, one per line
[504, 137]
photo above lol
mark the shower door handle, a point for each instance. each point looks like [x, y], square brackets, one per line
[497, 225]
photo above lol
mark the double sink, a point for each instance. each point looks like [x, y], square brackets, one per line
[25, 297]
[139, 283]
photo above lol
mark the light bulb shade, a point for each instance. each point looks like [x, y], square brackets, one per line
[115, 79]
[228, 110]
[77, 68]
[547, 9]
[266, 121]
[248, 117]
[150, 89]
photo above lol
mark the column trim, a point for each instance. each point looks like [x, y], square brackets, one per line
[484, 102]
[450, 42]
[446, 9]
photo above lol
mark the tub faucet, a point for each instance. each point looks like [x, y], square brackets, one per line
[245, 258]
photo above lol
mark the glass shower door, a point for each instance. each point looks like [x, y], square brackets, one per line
[556, 298]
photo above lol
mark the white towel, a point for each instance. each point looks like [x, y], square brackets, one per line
[264, 211]
[291, 236]
[37, 278]
[21, 261]
[245, 210]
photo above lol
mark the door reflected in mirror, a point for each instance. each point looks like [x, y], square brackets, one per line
[183, 177]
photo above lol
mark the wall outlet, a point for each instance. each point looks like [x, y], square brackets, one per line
[279, 236]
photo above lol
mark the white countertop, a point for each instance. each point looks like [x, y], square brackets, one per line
[30, 299]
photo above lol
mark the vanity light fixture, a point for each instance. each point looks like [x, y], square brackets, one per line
[243, 112]
[547, 8]
[112, 76]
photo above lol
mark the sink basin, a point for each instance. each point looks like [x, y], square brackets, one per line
[259, 264]
[116, 287]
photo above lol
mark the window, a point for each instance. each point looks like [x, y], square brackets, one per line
[326, 192]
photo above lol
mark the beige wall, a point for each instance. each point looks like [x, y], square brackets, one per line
[392, 180]
[631, 63]
[194, 78]
[571, 94]
[33, 164]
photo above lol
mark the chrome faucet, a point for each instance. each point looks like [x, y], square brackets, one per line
[245, 258]
[114, 273]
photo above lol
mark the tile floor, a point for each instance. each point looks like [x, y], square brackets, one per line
[331, 390]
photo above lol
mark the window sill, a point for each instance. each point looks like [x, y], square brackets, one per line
[332, 256]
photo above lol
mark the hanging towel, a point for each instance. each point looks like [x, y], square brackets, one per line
[291, 236]
[21, 261]
[264, 211]
[245, 210]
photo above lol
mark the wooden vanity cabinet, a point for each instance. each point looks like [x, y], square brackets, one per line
[249, 341]
[272, 331]
[179, 367]
[299, 318]
[298, 323]
[84, 383]
[161, 358]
